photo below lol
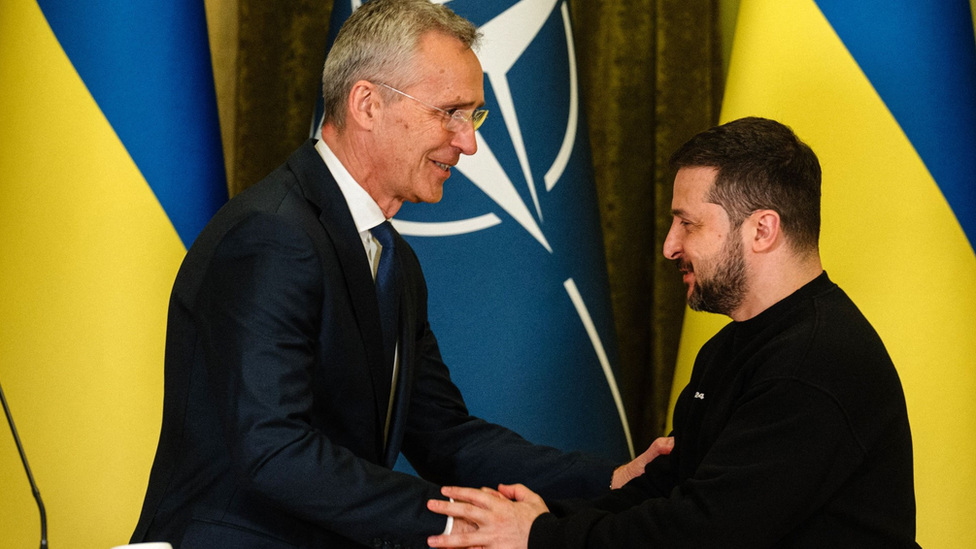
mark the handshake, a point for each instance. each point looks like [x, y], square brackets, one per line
[502, 518]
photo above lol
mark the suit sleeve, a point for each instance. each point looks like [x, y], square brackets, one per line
[781, 456]
[263, 298]
[447, 445]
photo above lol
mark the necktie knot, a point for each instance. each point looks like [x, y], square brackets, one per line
[383, 233]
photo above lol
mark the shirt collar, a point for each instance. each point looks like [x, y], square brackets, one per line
[366, 214]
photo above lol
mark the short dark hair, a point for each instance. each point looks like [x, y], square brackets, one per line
[762, 165]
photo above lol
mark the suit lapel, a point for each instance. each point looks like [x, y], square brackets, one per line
[321, 189]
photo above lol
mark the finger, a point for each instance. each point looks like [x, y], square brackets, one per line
[523, 493]
[458, 509]
[494, 493]
[663, 445]
[507, 490]
[516, 492]
[457, 540]
[470, 495]
[454, 540]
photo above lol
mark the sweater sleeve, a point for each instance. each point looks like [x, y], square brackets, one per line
[784, 451]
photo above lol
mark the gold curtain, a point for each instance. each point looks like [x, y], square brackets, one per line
[651, 74]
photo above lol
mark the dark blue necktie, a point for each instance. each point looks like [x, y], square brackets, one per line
[386, 289]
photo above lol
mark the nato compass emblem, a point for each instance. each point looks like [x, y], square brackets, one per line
[513, 254]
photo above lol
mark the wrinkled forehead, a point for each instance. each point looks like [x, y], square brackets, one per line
[439, 53]
[444, 63]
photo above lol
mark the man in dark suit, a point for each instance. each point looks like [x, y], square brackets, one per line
[293, 379]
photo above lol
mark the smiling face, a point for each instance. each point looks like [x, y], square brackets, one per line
[706, 249]
[412, 151]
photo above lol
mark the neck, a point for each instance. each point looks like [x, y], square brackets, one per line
[351, 148]
[773, 281]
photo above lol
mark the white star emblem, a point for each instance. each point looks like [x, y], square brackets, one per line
[506, 37]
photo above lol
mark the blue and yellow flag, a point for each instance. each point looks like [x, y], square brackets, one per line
[513, 254]
[110, 164]
[885, 93]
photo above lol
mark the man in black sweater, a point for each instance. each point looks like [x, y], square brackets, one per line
[793, 430]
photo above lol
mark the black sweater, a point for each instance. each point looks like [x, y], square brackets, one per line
[792, 432]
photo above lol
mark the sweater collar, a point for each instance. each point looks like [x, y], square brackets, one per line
[746, 329]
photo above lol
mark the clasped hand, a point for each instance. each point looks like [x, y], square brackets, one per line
[503, 517]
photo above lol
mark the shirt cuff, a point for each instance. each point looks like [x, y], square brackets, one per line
[450, 522]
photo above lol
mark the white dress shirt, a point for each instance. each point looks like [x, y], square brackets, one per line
[366, 214]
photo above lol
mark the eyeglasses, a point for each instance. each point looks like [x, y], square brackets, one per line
[454, 119]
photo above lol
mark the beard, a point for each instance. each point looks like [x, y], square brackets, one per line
[723, 292]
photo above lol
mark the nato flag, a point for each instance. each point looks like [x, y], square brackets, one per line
[513, 254]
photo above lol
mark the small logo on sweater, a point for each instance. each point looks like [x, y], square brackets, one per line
[700, 396]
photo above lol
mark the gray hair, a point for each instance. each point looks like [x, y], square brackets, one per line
[377, 43]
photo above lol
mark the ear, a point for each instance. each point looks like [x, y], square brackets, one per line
[362, 105]
[767, 232]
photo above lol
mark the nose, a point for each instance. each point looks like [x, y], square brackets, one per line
[465, 140]
[672, 244]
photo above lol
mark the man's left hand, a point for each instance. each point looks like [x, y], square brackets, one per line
[625, 473]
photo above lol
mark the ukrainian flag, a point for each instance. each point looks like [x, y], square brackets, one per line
[110, 164]
[885, 93]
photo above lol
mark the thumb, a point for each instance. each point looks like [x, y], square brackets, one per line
[515, 492]
[667, 444]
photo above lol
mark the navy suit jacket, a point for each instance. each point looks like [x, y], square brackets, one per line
[276, 393]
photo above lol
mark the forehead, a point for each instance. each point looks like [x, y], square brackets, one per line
[443, 63]
[691, 186]
[690, 202]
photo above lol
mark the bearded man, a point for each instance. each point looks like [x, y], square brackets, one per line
[793, 430]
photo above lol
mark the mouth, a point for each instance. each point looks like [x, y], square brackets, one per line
[442, 166]
[687, 272]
